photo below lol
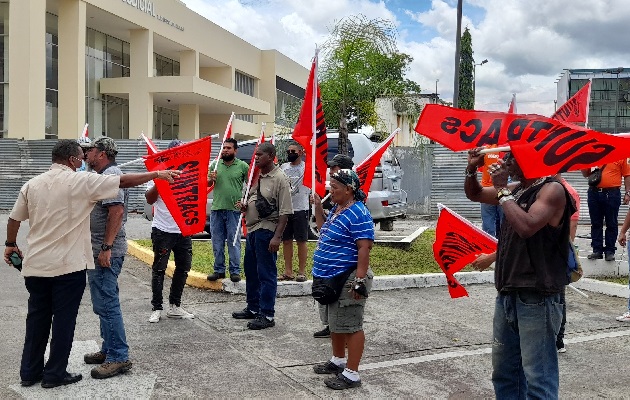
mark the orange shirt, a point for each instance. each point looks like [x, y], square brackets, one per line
[613, 173]
[488, 160]
[576, 197]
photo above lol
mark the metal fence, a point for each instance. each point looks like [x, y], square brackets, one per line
[21, 160]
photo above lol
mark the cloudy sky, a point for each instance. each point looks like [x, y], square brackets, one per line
[527, 42]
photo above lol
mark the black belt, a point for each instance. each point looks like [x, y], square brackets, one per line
[604, 189]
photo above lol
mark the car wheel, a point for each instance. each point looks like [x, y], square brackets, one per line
[313, 232]
[387, 224]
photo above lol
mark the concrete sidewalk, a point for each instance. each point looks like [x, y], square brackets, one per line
[420, 343]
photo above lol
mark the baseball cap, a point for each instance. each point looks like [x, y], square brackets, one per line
[342, 161]
[174, 143]
[104, 143]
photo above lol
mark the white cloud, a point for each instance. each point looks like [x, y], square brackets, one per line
[527, 42]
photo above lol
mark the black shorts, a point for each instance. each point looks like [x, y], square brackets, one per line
[297, 227]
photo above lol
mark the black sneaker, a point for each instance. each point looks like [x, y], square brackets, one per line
[324, 333]
[216, 276]
[328, 367]
[609, 257]
[261, 322]
[595, 256]
[235, 277]
[245, 314]
[340, 382]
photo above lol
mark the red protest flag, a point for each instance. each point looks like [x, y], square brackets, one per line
[554, 147]
[85, 133]
[576, 108]
[457, 244]
[512, 106]
[311, 128]
[186, 197]
[365, 170]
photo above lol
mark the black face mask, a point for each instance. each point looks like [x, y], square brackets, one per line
[227, 157]
[292, 157]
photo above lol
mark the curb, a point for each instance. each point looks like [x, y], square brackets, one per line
[385, 282]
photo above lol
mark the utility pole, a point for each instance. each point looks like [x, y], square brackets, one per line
[475, 80]
[458, 40]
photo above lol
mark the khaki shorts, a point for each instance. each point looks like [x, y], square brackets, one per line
[346, 314]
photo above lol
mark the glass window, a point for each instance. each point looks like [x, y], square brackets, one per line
[4, 18]
[244, 84]
[4, 58]
[52, 109]
[114, 119]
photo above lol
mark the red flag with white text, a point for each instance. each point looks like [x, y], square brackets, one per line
[576, 108]
[186, 197]
[303, 134]
[365, 170]
[457, 244]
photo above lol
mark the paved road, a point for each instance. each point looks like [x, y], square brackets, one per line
[420, 343]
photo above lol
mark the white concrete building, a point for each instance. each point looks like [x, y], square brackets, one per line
[393, 114]
[132, 66]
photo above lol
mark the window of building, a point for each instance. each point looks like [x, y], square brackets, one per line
[166, 123]
[106, 57]
[287, 109]
[165, 66]
[244, 84]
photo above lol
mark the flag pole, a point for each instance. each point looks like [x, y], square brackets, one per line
[588, 101]
[249, 185]
[227, 128]
[494, 150]
[314, 120]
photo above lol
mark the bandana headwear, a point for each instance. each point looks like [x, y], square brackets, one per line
[350, 178]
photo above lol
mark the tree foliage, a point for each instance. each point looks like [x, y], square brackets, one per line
[466, 65]
[360, 61]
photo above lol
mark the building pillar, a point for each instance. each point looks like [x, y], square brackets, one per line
[141, 101]
[189, 63]
[27, 69]
[72, 32]
[188, 121]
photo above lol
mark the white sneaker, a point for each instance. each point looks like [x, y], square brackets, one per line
[155, 316]
[178, 312]
[624, 318]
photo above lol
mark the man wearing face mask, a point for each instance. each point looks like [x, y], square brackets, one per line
[228, 178]
[58, 255]
[297, 225]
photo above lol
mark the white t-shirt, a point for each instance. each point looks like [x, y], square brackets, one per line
[162, 218]
[299, 193]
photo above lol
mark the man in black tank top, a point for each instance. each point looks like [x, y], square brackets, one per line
[530, 273]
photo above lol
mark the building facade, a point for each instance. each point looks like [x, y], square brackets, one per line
[127, 67]
[610, 96]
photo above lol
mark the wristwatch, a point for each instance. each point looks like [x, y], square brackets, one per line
[503, 192]
[106, 247]
[10, 244]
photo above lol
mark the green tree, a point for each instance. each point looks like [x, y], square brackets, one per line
[360, 62]
[466, 94]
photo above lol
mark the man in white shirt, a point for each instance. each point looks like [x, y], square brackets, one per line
[166, 237]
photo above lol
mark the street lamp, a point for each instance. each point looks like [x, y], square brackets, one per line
[616, 71]
[436, 92]
[475, 80]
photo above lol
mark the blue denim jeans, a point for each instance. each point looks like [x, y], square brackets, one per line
[602, 206]
[524, 354]
[491, 217]
[261, 273]
[106, 304]
[223, 226]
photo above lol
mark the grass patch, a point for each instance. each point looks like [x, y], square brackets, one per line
[384, 260]
[623, 280]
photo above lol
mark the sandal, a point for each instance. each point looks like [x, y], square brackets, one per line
[300, 278]
[340, 382]
[285, 277]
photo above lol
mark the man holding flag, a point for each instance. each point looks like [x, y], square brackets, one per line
[228, 175]
[266, 213]
[530, 274]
